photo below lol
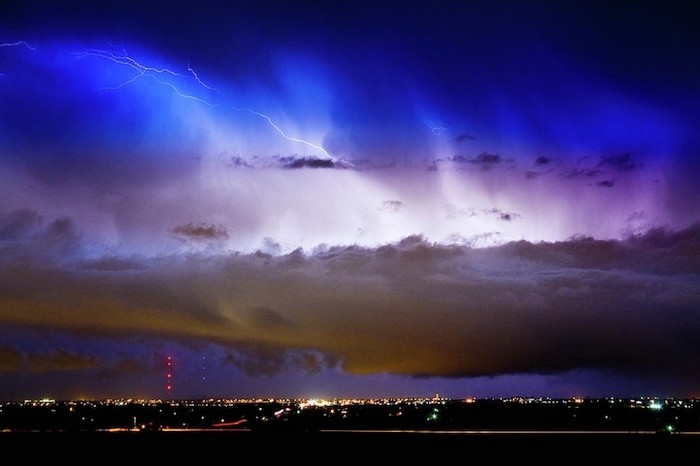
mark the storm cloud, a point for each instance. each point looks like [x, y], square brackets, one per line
[56, 360]
[343, 201]
[413, 307]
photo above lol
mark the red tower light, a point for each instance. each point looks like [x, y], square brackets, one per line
[169, 377]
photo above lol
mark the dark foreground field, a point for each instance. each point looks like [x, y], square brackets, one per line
[330, 447]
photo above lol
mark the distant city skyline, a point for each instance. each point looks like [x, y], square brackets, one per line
[354, 199]
[471, 416]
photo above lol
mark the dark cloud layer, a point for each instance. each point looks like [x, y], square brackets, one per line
[57, 360]
[621, 163]
[484, 160]
[268, 360]
[10, 360]
[202, 231]
[502, 215]
[610, 165]
[308, 162]
[413, 307]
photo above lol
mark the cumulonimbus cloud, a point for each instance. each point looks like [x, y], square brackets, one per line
[412, 307]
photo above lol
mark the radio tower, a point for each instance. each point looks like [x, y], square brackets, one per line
[169, 377]
[204, 377]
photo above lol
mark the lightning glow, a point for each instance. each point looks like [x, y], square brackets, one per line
[157, 73]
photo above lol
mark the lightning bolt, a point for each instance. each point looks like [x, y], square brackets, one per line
[126, 60]
[199, 81]
[284, 135]
[161, 76]
[19, 43]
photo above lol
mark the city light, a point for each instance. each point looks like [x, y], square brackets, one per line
[655, 405]
[291, 414]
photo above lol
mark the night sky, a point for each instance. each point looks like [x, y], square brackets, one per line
[349, 199]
